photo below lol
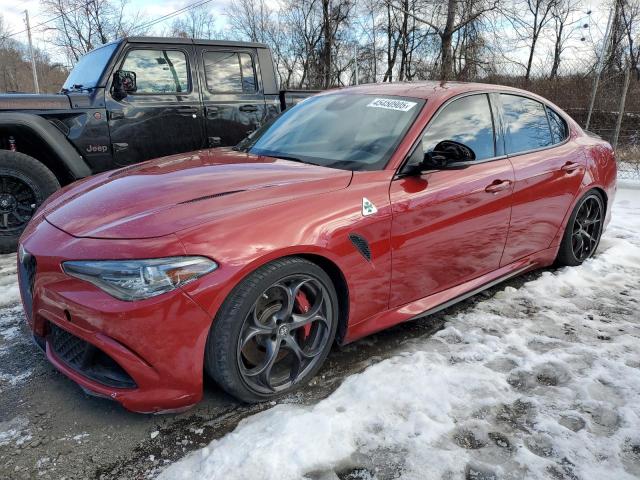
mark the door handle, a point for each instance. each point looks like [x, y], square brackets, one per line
[188, 111]
[212, 112]
[120, 147]
[116, 114]
[248, 108]
[570, 167]
[498, 186]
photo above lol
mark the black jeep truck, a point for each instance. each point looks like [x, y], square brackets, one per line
[126, 102]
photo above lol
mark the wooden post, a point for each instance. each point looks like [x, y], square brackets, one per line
[623, 100]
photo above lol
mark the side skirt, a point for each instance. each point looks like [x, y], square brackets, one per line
[439, 301]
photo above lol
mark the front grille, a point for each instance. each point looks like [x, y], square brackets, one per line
[87, 359]
[27, 266]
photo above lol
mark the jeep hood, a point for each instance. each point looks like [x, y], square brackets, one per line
[169, 194]
[25, 101]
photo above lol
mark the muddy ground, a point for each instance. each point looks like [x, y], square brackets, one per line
[50, 429]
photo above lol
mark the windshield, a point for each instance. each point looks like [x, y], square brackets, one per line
[347, 131]
[89, 68]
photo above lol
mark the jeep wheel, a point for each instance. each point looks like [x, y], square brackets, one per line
[24, 184]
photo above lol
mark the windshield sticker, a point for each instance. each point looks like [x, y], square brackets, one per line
[392, 104]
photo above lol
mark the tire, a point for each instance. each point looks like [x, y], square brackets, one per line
[582, 231]
[24, 184]
[252, 327]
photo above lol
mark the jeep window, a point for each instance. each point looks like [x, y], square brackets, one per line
[230, 72]
[89, 69]
[350, 132]
[158, 71]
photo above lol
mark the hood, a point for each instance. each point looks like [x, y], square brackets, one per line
[26, 101]
[169, 194]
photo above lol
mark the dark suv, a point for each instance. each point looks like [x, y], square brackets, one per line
[129, 101]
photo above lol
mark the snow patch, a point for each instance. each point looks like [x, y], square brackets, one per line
[14, 430]
[536, 382]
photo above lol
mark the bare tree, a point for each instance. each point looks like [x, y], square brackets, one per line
[529, 26]
[197, 23]
[564, 28]
[446, 24]
[629, 12]
[80, 26]
[15, 66]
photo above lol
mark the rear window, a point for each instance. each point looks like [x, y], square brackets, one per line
[230, 72]
[559, 129]
[527, 124]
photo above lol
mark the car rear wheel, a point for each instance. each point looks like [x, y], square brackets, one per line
[274, 331]
[584, 229]
[24, 184]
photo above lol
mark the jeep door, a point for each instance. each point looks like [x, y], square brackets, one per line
[232, 93]
[164, 115]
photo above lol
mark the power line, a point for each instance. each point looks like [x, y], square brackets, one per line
[144, 25]
[172, 14]
[9, 35]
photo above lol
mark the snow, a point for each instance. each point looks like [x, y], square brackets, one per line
[541, 381]
[9, 292]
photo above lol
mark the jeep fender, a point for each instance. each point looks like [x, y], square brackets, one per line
[66, 154]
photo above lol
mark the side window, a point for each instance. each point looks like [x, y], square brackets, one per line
[158, 71]
[466, 120]
[559, 129]
[230, 72]
[527, 124]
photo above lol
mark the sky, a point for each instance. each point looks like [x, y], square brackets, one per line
[13, 13]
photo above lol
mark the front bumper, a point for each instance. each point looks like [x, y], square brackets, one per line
[147, 355]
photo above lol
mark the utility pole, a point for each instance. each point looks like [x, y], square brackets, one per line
[623, 99]
[36, 87]
[599, 66]
[355, 60]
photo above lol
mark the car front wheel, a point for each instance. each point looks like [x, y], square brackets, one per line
[274, 331]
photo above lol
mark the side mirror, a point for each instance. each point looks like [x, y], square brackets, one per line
[124, 83]
[448, 155]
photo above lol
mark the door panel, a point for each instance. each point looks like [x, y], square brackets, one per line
[164, 116]
[547, 180]
[448, 227]
[543, 193]
[232, 94]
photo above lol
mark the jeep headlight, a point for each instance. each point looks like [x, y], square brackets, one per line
[138, 279]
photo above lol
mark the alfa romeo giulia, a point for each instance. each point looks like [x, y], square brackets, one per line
[356, 210]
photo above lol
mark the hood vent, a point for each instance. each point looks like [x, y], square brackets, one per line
[207, 197]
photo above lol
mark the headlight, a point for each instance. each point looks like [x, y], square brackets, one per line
[137, 279]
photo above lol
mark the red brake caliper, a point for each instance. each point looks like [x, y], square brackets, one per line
[302, 302]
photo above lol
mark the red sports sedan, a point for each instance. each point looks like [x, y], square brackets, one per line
[356, 210]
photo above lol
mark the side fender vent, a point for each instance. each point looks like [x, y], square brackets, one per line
[361, 245]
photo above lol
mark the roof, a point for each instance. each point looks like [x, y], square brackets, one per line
[428, 89]
[193, 41]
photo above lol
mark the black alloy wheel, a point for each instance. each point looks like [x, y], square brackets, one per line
[584, 229]
[284, 334]
[274, 330]
[24, 184]
[587, 227]
[18, 203]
